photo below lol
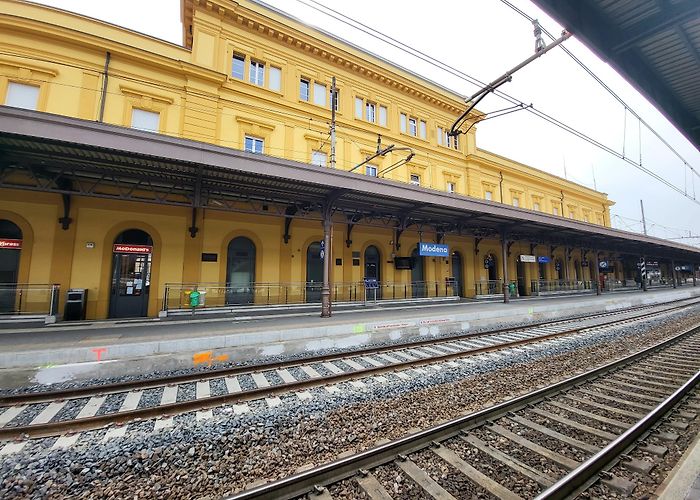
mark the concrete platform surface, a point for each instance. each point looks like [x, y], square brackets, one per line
[105, 349]
[683, 482]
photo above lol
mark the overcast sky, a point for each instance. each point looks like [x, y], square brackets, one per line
[485, 38]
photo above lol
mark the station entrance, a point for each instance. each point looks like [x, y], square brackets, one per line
[458, 273]
[373, 270]
[131, 274]
[418, 288]
[314, 272]
[240, 271]
[10, 249]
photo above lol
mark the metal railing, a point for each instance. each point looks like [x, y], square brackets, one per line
[494, 287]
[212, 295]
[538, 287]
[29, 298]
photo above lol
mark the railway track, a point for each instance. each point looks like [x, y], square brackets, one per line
[66, 413]
[554, 442]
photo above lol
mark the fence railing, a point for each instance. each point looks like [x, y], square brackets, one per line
[29, 298]
[538, 287]
[494, 287]
[212, 295]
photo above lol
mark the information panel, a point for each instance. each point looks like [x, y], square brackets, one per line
[433, 250]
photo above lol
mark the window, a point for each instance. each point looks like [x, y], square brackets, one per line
[358, 107]
[371, 170]
[382, 116]
[319, 158]
[145, 120]
[275, 79]
[253, 144]
[415, 179]
[423, 130]
[488, 195]
[535, 206]
[257, 73]
[516, 202]
[585, 218]
[446, 140]
[320, 94]
[571, 214]
[555, 211]
[304, 90]
[23, 96]
[412, 127]
[450, 187]
[402, 122]
[371, 108]
[238, 66]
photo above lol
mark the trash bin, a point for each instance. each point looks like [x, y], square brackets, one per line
[76, 303]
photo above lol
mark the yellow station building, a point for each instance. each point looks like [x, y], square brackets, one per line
[250, 78]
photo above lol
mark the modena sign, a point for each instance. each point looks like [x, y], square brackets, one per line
[126, 248]
[528, 258]
[433, 250]
[10, 244]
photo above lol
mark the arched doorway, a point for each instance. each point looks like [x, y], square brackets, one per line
[10, 250]
[240, 271]
[577, 270]
[559, 268]
[418, 286]
[314, 272]
[493, 267]
[458, 273]
[373, 269]
[131, 274]
[520, 272]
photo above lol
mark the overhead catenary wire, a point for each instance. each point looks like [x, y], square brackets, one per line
[345, 19]
[607, 89]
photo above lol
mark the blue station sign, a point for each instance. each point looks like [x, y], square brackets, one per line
[433, 250]
[543, 259]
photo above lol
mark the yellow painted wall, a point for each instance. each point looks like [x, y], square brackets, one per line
[197, 97]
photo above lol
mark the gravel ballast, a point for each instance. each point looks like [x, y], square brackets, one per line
[210, 458]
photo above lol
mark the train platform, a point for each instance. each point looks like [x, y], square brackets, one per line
[683, 482]
[63, 352]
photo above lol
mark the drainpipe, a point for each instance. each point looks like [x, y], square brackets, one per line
[597, 272]
[506, 281]
[501, 185]
[103, 95]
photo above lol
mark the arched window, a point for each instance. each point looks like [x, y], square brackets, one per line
[10, 250]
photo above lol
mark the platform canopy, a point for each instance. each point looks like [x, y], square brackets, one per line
[653, 44]
[71, 157]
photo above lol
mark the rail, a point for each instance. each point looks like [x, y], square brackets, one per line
[218, 295]
[302, 483]
[29, 299]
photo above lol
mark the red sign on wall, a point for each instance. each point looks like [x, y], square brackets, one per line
[12, 244]
[126, 248]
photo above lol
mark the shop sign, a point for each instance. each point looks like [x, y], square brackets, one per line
[433, 250]
[10, 244]
[126, 248]
[528, 258]
[543, 259]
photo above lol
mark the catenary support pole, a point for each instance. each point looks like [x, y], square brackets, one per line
[644, 273]
[673, 273]
[327, 242]
[596, 265]
[506, 281]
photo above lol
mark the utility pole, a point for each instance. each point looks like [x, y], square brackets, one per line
[644, 221]
[334, 101]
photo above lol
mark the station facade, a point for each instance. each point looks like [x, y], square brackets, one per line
[252, 79]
